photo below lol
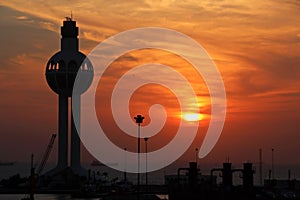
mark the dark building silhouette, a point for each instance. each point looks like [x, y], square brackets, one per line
[61, 71]
[194, 185]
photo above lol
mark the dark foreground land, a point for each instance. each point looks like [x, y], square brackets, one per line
[190, 185]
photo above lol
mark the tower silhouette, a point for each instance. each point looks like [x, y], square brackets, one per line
[61, 71]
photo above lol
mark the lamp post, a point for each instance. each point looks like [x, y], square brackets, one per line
[196, 157]
[273, 172]
[139, 119]
[146, 148]
[125, 167]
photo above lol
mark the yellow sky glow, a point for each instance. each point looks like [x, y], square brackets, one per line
[192, 117]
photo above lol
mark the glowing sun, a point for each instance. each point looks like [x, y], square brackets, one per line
[192, 117]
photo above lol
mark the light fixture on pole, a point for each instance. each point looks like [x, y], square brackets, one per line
[139, 119]
[125, 163]
[273, 170]
[146, 148]
[196, 157]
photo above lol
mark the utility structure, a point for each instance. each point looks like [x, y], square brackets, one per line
[227, 171]
[260, 167]
[61, 71]
[192, 173]
[139, 119]
[146, 151]
[273, 170]
[125, 165]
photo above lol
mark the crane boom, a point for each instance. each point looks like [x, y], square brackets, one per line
[46, 155]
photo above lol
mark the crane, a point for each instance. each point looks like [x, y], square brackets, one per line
[46, 155]
[34, 175]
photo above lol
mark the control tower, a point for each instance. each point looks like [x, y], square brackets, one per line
[61, 71]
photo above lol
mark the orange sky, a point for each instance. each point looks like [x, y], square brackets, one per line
[255, 44]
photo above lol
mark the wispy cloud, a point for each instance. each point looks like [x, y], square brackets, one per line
[247, 37]
[255, 45]
[23, 17]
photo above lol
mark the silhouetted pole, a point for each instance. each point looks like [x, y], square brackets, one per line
[146, 148]
[260, 167]
[196, 157]
[270, 172]
[125, 169]
[31, 161]
[139, 119]
[32, 180]
[273, 172]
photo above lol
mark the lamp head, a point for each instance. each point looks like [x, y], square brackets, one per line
[139, 119]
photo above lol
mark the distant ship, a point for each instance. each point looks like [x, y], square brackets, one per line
[97, 163]
[6, 163]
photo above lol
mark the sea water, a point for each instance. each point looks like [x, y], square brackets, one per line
[52, 197]
[37, 196]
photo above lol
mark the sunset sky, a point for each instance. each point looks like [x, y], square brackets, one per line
[255, 45]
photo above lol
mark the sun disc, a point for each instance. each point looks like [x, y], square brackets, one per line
[191, 117]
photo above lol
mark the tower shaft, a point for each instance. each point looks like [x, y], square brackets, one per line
[75, 140]
[63, 132]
